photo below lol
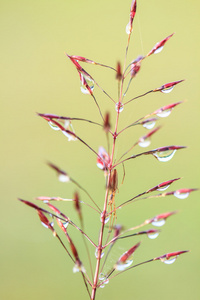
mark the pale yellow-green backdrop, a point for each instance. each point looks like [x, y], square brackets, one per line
[37, 77]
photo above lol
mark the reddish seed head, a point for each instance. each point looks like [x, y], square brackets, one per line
[149, 120]
[78, 67]
[150, 133]
[129, 27]
[83, 59]
[128, 253]
[117, 228]
[167, 86]
[162, 149]
[48, 116]
[159, 45]
[165, 215]
[162, 216]
[162, 185]
[60, 224]
[58, 170]
[44, 220]
[185, 191]
[84, 83]
[103, 159]
[167, 107]
[170, 255]
[74, 251]
[119, 72]
[135, 66]
[53, 208]
[148, 231]
[113, 184]
[106, 125]
[77, 205]
[62, 175]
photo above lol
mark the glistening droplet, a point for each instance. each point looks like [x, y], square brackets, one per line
[90, 83]
[107, 218]
[158, 50]
[144, 142]
[158, 223]
[161, 189]
[181, 195]
[119, 106]
[63, 178]
[164, 113]
[53, 126]
[78, 268]
[121, 266]
[149, 125]
[164, 156]
[128, 29]
[167, 90]
[105, 282]
[65, 224]
[153, 236]
[96, 253]
[169, 261]
[102, 276]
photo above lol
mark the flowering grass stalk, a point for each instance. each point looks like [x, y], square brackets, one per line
[108, 210]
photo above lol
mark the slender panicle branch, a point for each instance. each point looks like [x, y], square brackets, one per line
[62, 218]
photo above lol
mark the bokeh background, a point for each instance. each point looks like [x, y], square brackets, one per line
[37, 77]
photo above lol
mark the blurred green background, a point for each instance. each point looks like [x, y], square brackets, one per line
[37, 77]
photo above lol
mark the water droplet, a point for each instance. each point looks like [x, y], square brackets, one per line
[102, 276]
[153, 236]
[96, 253]
[53, 126]
[107, 218]
[149, 125]
[63, 178]
[169, 261]
[103, 285]
[181, 195]
[90, 83]
[144, 142]
[128, 29]
[45, 225]
[161, 189]
[165, 113]
[70, 137]
[65, 224]
[122, 266]
[158, 223]
[119, 106]
[167, 90]
[158, 50]
[78, 268]
[164, 155]
[67, 124]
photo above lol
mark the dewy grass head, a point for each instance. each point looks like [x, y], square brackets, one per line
[108, 233]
